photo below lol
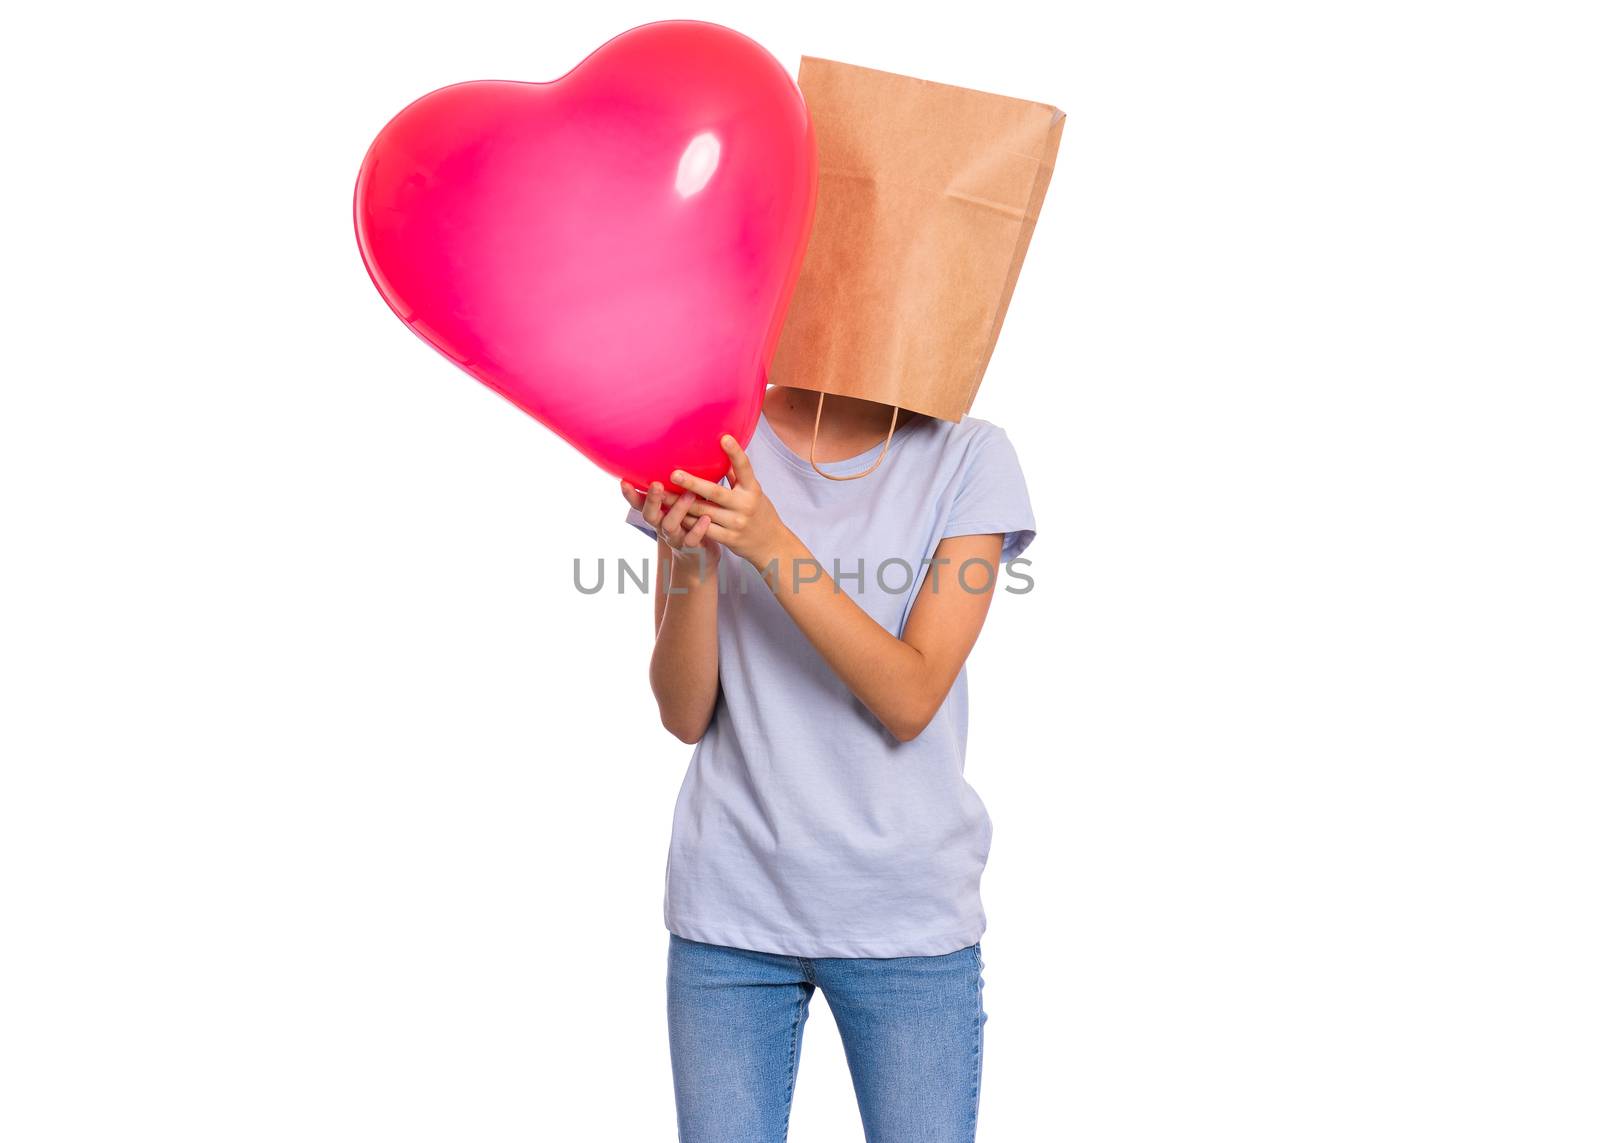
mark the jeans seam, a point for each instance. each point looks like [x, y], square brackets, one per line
[977, 1037]
[794, 1058]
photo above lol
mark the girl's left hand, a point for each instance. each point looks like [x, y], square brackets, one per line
[743, 520]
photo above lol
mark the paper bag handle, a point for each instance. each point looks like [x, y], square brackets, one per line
[895, 416]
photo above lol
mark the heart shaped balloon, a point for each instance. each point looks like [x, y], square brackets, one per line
[612, 251]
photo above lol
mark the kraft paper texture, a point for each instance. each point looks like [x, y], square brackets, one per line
[927, 196]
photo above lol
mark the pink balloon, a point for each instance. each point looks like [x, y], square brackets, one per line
[612, 251]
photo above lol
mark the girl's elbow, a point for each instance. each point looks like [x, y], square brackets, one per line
[909, 723]
[921, 706]
[686, 729]
[906, 731]
[684, 720]
[687, 735]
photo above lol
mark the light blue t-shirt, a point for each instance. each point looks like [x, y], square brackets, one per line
[803, 826]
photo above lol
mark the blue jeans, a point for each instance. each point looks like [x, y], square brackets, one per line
[912, 1028]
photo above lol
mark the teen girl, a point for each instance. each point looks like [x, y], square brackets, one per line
[811, 636]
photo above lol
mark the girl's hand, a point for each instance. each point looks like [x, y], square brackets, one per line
[667, 517]
[740, 518]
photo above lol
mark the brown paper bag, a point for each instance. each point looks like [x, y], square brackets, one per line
[927, 196]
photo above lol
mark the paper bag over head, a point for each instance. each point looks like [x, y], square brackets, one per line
[927, 196]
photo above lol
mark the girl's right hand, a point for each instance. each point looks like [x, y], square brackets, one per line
[666, 513]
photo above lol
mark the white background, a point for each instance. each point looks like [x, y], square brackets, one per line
[330, 811]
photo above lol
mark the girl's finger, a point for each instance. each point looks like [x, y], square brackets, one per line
[652, 504]
[632, 495]
[704, 510]
[697, 534]
[744, 476]
[716, 493]
[658, 503]
[674, 518]
[720, 534]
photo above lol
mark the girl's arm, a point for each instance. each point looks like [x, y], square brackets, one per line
[683, 666]
[902, 681]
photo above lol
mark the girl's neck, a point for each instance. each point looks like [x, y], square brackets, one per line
[849, 426]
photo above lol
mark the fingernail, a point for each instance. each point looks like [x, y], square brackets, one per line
[677, 477]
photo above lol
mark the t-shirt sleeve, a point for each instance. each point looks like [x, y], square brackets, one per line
[992, 496]
[636, 518]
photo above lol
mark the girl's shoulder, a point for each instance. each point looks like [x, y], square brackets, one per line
[964, 439]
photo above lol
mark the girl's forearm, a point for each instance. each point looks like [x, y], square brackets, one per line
[683, 666]
[890, 676]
